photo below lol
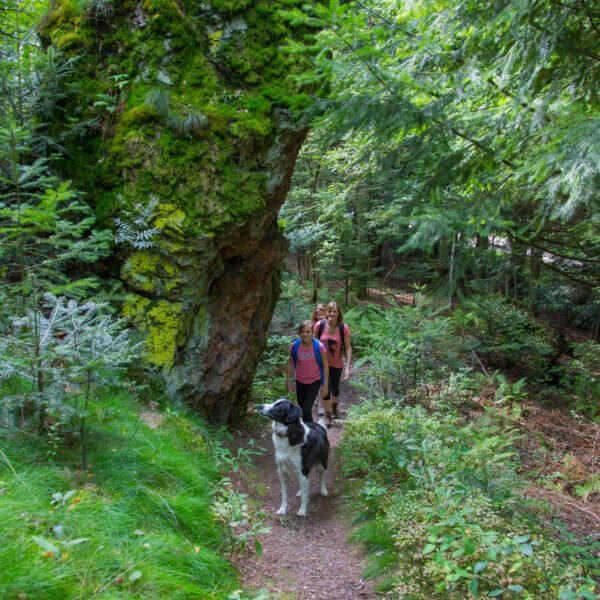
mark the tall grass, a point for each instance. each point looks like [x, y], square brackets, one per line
[138, 525]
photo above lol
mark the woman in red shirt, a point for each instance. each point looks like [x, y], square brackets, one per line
[328, 332]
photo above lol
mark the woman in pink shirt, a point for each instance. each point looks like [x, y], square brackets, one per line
[328, 331]
[310, 377]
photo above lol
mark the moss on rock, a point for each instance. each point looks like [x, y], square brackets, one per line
[193, 104]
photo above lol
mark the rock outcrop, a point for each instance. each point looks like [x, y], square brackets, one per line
[187, 127]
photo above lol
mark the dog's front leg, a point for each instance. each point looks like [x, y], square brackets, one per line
[283, 481]
[304, 489]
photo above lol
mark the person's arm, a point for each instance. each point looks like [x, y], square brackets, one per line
[289, 370]
[325, 386]
[348, 353]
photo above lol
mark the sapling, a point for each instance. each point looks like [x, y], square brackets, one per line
[29, 351]
[94, 349]
[65, 351]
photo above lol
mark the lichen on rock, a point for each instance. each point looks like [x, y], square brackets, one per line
[194, 104]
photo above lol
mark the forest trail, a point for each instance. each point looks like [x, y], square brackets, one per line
[303, 558]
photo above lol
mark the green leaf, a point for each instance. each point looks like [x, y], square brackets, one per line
[496, 593]
[526, 549]
[46, 545]
[480, 566]
[257, 547]
[59, 531]
[134, 576]
[516, 588]
[474, 586]
[469, 547]
[429, 548]
[521, 539]
[75, 542]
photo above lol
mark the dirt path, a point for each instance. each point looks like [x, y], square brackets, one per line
[303, 557]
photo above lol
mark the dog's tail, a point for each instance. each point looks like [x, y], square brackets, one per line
[323, 423]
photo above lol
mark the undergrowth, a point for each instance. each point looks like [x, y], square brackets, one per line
[138, 523]
[436, 477]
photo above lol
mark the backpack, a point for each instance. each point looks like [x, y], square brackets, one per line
[342, 327]
[316, 350]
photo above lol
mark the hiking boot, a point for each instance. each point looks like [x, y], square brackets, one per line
[334, 411]
[328, 420]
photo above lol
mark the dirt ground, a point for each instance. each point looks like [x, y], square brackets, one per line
[302, 557]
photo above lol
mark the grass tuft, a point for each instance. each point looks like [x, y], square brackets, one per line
[138, 523]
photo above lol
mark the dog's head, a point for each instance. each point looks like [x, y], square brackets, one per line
[281, 411]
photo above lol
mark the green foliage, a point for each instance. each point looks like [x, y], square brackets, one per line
[583, 374]
[463, 140]
[435, 486]
[327, 216]
[438, 510]
[404, 348]
[138, 523]
[504, 335]
[64, 352]
[242, 523]
[47, 232]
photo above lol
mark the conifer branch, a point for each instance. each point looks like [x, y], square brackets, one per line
[450, 128]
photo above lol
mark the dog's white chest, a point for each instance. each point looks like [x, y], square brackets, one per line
[288, 457]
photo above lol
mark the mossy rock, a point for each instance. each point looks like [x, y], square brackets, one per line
[191, 107]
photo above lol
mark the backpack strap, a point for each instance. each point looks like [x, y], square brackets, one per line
[318, 358]
[342, 327]
[295, 347]
[321, 327]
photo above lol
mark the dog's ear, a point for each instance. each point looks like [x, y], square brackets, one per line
[294, 413]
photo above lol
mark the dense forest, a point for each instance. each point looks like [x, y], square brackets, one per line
[181, 182]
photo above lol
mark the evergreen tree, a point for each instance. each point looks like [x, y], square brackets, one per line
[483, 121]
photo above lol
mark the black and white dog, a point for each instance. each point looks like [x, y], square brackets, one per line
[299, 447]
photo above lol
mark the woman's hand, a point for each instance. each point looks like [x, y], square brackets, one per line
[290, 387]
[346, 373]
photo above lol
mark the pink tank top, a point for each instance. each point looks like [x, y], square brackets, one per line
[307, 368]
[333, 343]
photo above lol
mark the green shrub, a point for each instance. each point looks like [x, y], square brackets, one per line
[583, 378]
[438, 513]
[504, 335]
[404, 348]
